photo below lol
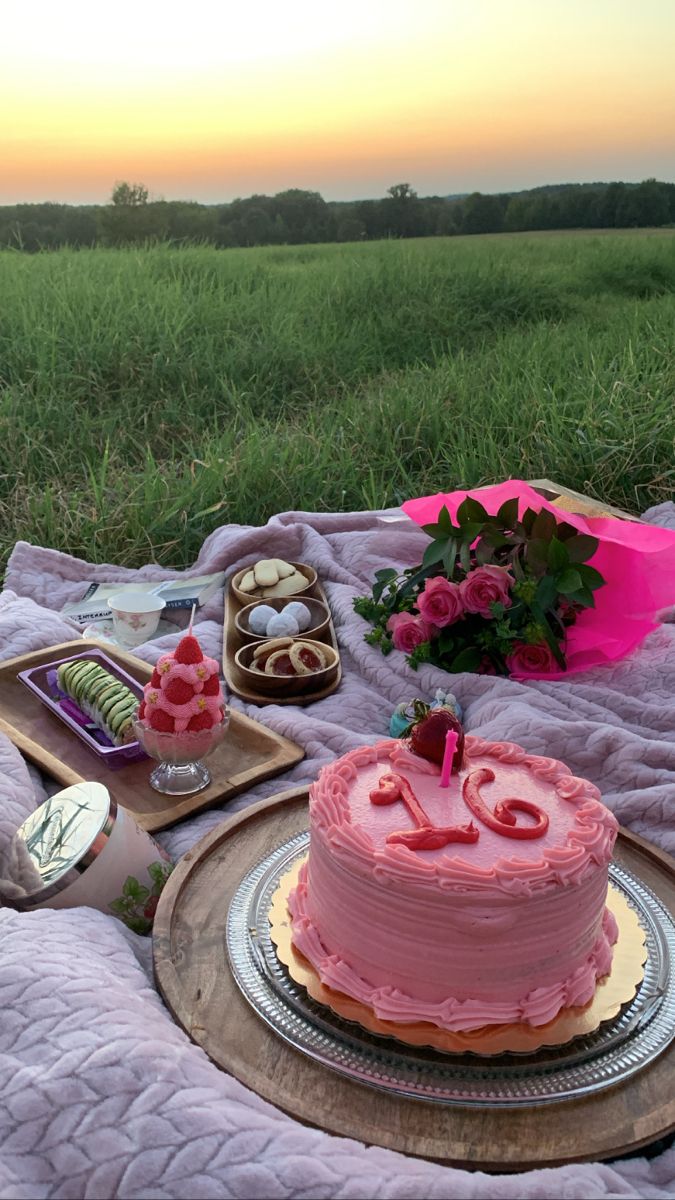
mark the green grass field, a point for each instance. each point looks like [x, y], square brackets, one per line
[147, 396]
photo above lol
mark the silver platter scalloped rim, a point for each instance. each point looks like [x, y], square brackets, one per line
[617, 1050]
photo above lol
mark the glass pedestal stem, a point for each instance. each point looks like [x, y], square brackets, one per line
[180, 779]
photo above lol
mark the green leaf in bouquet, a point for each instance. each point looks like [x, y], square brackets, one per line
[553, 643]
[446, 641]
[496, 538]
[435, 552]
[558, 558]
[383, 577]
[420, 654]
[504, 637]
[465, 556]
[450, 557]
[413, 581]
[441, 528]
[434, 531]
[516, 565]
[584, 596]
[516, 614]
[471, 510]
[471, 530]
[527, 520]
[468, 659]
[590, 578]
[569, 581]
[485, 552]
[445, 520]
[547, 592]
[565, 531]
[544, 525]
[365, 607]
[508, 513]
[581, 547]
[536, 556]
[497, 609]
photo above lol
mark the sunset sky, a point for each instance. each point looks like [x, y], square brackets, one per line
[209, 101]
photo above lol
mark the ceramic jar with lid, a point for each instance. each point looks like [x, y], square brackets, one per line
[81, 848]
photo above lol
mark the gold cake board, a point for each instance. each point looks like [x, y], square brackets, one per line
[194, 977]
[615, 990]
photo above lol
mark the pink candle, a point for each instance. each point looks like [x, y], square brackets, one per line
[448, 755]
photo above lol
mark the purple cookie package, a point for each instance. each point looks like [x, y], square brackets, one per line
[42, 681]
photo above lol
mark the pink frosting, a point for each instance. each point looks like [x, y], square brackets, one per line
[464, 935]
[194, 674]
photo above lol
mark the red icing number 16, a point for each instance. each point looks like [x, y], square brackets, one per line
[427, 836]
[502, 819]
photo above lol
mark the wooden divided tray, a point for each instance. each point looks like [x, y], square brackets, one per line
[193, 974]
[248, 753]
[232, 641]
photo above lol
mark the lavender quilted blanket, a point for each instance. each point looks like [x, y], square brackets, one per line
[101, 1094]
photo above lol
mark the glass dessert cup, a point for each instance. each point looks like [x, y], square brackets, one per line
[181, 771]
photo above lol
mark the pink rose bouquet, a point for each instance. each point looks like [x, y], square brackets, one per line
[493, 594]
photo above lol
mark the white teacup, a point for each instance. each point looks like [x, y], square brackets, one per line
[135, 616]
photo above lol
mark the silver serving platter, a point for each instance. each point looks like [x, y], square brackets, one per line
[617, 1050]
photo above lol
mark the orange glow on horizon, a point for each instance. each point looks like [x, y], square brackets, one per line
[451, 95]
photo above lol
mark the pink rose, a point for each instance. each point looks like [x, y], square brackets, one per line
[531, 660]
[440, 603]
[485, 586]
[409, 631]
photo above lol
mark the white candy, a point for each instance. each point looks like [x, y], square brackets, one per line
[258, 618]
[300, 613]
[281, 625]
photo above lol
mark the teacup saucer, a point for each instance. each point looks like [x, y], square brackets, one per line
[104, 631]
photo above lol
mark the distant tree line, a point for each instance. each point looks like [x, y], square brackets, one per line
[296, 216]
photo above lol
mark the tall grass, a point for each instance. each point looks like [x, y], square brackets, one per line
[147, 396]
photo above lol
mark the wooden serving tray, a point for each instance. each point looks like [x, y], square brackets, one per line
[193, 974]
[232, 641]
[248, 753]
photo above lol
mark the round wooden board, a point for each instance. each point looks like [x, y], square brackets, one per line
[193, 974]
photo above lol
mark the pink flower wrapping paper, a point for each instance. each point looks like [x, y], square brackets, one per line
[636, 560]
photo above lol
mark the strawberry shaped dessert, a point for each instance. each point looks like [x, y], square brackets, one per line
[184, 693]
[427, 733]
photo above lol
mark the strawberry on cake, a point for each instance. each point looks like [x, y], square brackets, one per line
[477, 903]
